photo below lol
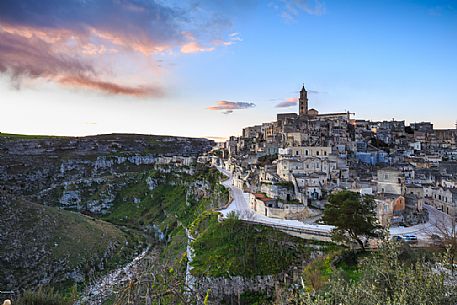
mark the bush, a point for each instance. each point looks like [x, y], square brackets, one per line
[42, 296]
[385, 279]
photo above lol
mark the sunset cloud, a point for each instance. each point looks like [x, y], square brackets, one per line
[34, 57]
[290, 102]
[228, 107]
[110, 88]
[68, 41]
[193, 46]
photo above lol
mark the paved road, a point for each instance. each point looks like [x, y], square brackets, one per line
[240, 205]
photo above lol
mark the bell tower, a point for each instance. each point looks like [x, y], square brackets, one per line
[303, 102]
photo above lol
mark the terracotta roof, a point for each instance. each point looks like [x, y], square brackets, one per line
[262, 197]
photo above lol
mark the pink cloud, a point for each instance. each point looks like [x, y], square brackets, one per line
[81, 81]
[228, 107]
[195, 47]
[75, 43]
[290, 102]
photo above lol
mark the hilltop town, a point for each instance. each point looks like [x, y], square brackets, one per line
[290, 166]
[106, 211]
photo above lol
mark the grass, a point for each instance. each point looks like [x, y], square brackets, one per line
[43, 238]
[79, 238]
[43, 296]
[166, 206]
[14, 136]
[236, 248]
[255, 298]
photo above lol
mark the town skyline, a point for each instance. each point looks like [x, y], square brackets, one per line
[228, 152]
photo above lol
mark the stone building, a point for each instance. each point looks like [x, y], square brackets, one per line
[263, 205]
[390, 181]
[444, 199]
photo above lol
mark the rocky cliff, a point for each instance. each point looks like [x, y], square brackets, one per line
[86, 173]
[47, 183]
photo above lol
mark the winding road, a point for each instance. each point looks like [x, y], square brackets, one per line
[240, 205]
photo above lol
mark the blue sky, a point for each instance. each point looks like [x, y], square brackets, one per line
[379, 59]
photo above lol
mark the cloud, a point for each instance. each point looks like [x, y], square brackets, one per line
[111, 88]
[229, 107]
[193, 46]
[291, 9]
[82, 42]
[34, 57]
[290, 102]
[315, 92]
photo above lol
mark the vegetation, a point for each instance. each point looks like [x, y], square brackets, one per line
[337, 261]
[234, 247]
[160, 283]
[445, 236]
[286, 184]
[267, 159]
[353, 216]
[14, 136]
[254, 298]
[42, 238]
[44, 296]
[385, 279]
[171, 205]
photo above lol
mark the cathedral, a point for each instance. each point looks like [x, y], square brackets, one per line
[306, 113]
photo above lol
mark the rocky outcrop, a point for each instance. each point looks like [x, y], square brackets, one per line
[87, 173]
[221, 288]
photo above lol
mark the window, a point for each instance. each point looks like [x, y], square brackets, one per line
[306, 152]
[317, 153]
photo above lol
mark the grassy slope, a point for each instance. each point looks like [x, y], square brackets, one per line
[233, 247]
[38, 237]
[25, 136]
[166, 205]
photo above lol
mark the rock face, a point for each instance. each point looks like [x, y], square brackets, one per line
[85, 174]
[221, 288]
[41, 243]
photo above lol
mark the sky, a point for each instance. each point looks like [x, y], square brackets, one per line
[208, 68]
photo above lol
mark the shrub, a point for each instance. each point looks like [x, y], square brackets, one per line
[42, 296]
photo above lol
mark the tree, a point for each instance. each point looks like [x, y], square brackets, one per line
[386, 279]
[353, 216]
[444, 232]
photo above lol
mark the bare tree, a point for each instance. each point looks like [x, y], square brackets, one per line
[159, 283]
[444, 232]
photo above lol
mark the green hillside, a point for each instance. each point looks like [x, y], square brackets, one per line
[42, 244]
